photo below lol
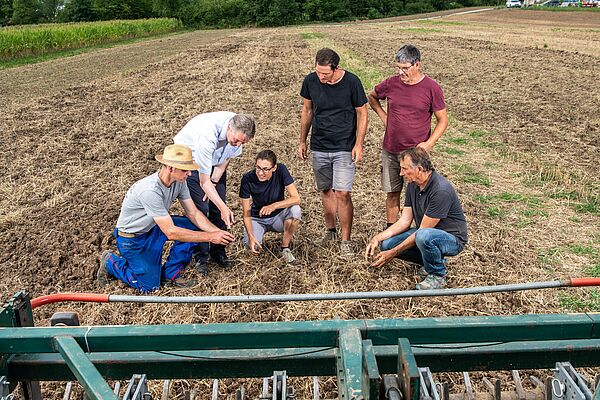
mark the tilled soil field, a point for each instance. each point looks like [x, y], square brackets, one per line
[522, 150]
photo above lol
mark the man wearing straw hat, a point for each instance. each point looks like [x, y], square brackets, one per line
[144, 225]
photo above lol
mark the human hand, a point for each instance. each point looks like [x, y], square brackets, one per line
[267, 210]
[221, 237]
[425, 146]
[357, 153]
[255, 247]
[302, 151]
[227, 217]
[382, 258]
[371, 247]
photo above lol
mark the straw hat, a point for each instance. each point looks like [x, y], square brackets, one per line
[177, 156]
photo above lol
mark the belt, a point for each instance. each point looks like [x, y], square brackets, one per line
[126, 235]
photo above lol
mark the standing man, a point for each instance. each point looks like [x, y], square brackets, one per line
[269, 210]
[335, 107]
[432, 203]
[214, 138]
[144, 226]
[411, 99]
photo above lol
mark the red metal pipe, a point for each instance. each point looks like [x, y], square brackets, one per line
[581, 282]
[58, 297]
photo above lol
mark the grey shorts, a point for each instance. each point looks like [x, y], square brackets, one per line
[333, 170]
[272, 224]
[391, 181]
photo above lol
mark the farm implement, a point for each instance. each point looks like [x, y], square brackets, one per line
[372, 359]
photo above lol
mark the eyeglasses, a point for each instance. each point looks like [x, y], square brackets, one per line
[263, 170]
[404, 69]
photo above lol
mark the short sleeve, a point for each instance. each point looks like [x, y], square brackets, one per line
[285, 175]
[305, 91]
[184, 193]
[437, 98]
[205, 147]
[153, 204]
[439, 205]
[359, 98]
[382, 89]
[244, 188]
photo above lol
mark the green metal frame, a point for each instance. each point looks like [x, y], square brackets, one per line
[358, 352]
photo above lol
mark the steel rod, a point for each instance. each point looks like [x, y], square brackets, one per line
[115, 298]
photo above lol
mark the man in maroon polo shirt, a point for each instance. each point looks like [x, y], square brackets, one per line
[412, 97]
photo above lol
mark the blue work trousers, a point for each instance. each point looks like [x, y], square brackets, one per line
[211, 211]
[432, 246]
[140, 265]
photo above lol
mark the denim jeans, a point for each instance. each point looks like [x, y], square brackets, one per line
[140, 263]
[432, 245]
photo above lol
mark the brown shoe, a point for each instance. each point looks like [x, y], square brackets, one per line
[180, 282]
[102, 275]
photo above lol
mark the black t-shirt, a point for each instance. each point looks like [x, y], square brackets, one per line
[334, 114]
[267, 192]
[438, 200]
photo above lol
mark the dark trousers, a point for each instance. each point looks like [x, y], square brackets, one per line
[211, 211]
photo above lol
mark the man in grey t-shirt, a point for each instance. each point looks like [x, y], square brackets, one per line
[441, 229]
[144, 225]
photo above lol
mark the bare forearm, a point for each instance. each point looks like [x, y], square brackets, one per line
[305, 124]
[377, 107]
[290, 201]
[211, 192]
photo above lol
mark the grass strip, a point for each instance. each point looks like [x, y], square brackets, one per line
[34, 40]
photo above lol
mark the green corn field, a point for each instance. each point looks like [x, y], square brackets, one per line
[28, 40]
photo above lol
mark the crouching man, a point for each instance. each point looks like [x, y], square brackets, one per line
[441, 230]
[144, 226]
[270, 210]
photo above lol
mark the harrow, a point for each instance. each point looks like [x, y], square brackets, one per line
[372, 359]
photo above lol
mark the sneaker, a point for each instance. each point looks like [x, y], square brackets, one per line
[346, 248]
[422, 273]
[221, 260]
[180, 282]
[201, 267]
[102, 275]
[287, 255]
[432, 282]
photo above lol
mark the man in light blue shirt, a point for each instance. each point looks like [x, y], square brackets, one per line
[214, 138]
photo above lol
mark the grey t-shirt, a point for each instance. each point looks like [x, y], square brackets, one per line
[146, 199]
[438, 199]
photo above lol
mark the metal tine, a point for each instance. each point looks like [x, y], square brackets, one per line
[539, 385]
[186, 394]
[424, 385]
[548, 388]
[468, 386]
[316, 394]
[265, 389]
[240, 394]
[117, 388]
[494, 388]
[444, 391]
[165, 391]
[193, 394]
[215, 390]
[518, 384]
[68, 390]
[597, 386]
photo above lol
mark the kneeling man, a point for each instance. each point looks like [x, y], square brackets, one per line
[144, 226]
[270, 210]
[441, 228]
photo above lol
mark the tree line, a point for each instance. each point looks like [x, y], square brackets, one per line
[218, 13]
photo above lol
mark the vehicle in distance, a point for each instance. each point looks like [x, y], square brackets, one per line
[513, 3]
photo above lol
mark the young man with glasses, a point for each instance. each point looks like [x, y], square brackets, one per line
[265, 206]
[335, 107]
[412, 97]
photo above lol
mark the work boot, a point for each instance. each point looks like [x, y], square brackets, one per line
[432, 282]
[180, 282]
[346, 249]
[201, 267]
[221, 260]
[330, 236]
[102, 275]
[287, 256]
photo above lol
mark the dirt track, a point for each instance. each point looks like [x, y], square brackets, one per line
[74, 144]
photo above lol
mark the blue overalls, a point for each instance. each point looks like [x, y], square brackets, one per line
[141, 257]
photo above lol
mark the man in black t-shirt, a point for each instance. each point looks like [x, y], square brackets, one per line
[335, 106]
[432, 203]
[270, 210]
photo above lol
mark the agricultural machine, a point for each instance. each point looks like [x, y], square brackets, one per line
[372, 359]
